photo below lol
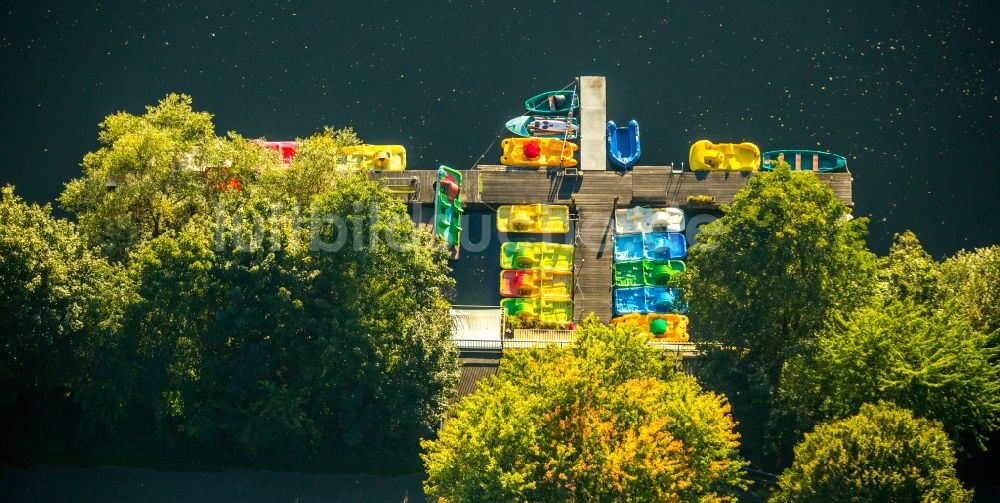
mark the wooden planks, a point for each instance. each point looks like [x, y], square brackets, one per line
[592, 259]
[653, 185]
[593, 124]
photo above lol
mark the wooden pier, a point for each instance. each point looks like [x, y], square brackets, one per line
[592, 197]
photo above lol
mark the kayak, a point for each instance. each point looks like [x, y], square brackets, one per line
[660, 273]
[557, 285]
[537, 152]
[708, 156]
[623, 144]
[664, 246]
[628, 274]
[559, 104]
[553, 311]
[639, 219]
[541, 127]
[533, 218]
[545, 256]
[804, 160]
[668, 327]
[448, 206]
[374, 157]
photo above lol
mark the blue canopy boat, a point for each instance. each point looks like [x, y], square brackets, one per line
[664, 246]
[623, 144]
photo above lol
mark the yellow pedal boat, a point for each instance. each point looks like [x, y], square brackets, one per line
[374, 157]
[552, 311]
[708, 156]
[533, 218]
[667, 327]
[544, 256]
[555, 285]
[537, 152]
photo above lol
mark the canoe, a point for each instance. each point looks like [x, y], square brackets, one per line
[373, 157]
[629, 300]
[623, 144]
[547, 152]
[804, 160]
[640, 219]
[708, 156]
[553, 311]
[544, 127]
[533, 218]
[544, 256]
[666, 327]
[659, 273]
[663, 300]
[628, 274]
[554, 285]
[664, 246]
[448, 205]
[560, 104]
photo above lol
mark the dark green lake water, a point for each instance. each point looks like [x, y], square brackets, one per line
[908, 91]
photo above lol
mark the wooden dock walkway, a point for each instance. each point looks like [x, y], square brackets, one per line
[593, 196]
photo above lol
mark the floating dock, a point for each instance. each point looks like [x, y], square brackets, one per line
[592, 197]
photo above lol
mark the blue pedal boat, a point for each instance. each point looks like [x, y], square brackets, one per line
[630, 300]
[623, 144]
[664, 246]
[663, 300]
[628, 247]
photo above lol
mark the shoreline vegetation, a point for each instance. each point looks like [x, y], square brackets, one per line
[152, 332]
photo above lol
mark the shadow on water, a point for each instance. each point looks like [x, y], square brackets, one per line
[477, 271]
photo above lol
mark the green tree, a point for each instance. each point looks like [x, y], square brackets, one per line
[58, 304]
[909, 272]
[934, 364]
[762, 281]
[258, 338]
[607, 419]
[972, 280]
[881, 454]
[313, 170]
[154, 172]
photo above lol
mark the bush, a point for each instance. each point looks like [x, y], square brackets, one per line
[881, 454]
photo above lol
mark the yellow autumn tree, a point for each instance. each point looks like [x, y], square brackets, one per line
[607, 419]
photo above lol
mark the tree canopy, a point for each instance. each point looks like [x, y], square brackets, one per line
[606, 419]
[972, 281]
[883, 453]
[154, 172]
[261, 337]
[765, 278]
[932, 363]
[58, 304]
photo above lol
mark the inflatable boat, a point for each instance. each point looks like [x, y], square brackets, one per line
[623, 144]
[533, 218]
